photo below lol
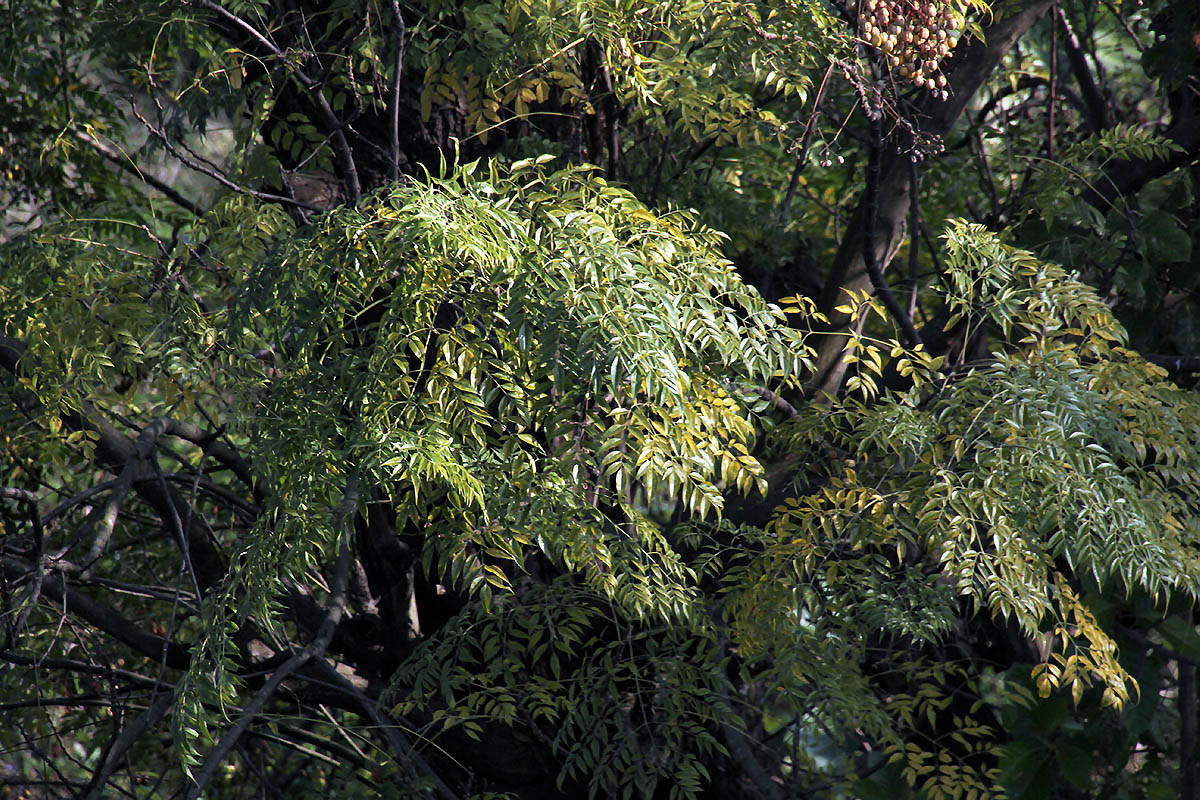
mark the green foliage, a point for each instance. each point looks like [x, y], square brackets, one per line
[522, 440]
[631, 711]
[535, 340]
[699, 67]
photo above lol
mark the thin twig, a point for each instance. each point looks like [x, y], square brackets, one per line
[30, 501]
[126, 163]
[266, 197]
[810, 128]
[401, 747]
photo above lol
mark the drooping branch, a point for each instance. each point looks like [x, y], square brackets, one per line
[125, 163]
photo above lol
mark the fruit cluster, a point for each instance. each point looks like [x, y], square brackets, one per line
[914, 36]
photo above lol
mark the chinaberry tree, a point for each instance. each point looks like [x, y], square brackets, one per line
[549, 398]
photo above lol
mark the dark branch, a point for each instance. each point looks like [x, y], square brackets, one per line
[126, 164]
[1174, 364]
[1094, 107]
[1147, 642]
[103, 617]
[398, 32]
[82, 667]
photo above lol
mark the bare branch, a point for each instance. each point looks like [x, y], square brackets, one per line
[214, 446]
[216, 175]
[125, 740]
[126, 163]
[29, 500]
[775, 400]
[82, 667]
[401, 747]
[810, 128]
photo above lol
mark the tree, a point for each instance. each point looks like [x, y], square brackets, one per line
[542, 398]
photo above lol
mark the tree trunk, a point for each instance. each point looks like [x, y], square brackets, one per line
[967, 72]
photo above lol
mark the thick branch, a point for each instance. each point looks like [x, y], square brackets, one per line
[1124, 178]
[103, 617]
[1187, 730]
[738, 748]
[968, 71]
[142, 450]
[113, 451]
[213, 446]
[1162, 649]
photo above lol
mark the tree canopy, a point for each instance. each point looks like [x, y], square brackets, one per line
[610, 398]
